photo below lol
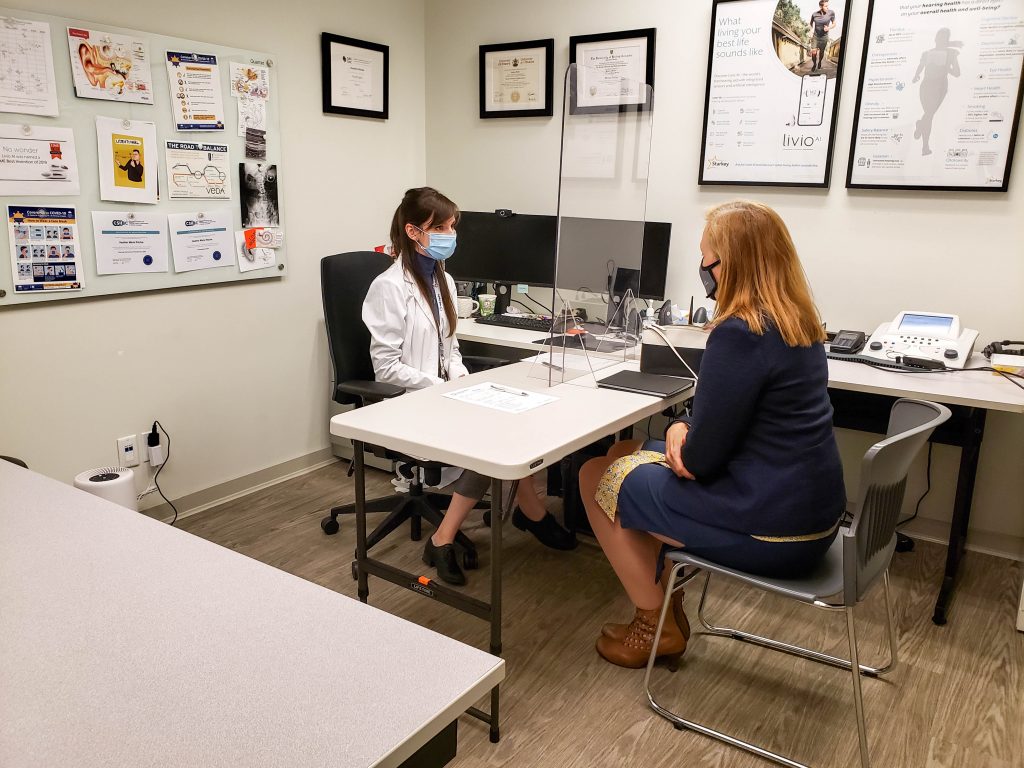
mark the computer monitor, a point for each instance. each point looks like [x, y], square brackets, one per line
[520, 248]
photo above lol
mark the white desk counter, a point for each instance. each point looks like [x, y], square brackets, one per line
[978, 389]
[125, 642]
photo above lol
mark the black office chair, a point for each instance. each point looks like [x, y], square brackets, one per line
[344, 280]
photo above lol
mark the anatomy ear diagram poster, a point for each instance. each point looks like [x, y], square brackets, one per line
[939, 95]
[774, 72]
[108, 66]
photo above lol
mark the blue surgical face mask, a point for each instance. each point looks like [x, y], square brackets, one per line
[441, 245]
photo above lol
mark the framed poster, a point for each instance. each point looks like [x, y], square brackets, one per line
[939, 97]
[516, 79]
[612, 70]
[354, 76]
[774, 77]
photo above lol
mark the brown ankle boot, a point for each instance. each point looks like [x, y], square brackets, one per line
[618, 631]
[633, 650]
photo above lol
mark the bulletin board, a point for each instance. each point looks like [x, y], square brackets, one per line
[79, 115]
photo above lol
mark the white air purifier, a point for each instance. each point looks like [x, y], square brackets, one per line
[116, 484]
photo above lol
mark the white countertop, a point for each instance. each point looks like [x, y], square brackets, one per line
[125, 642]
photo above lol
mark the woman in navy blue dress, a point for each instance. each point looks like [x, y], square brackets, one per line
[753, 479]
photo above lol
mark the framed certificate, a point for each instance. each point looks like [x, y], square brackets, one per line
[516, 79]
[939, 99]
[612, 70]
[354, 76]
[775, 72]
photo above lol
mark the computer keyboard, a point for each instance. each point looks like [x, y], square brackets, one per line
[517, 321]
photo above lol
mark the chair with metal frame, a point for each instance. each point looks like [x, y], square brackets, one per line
[345, 279]
[851, 567]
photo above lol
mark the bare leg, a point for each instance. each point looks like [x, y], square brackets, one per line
[633, 554]
[624, 448]
[458, 510]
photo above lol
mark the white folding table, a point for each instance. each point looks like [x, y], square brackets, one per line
[126, 642]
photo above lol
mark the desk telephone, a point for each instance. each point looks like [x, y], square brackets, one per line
[927, 336]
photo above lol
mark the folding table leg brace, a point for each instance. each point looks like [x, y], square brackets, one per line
[491, 612]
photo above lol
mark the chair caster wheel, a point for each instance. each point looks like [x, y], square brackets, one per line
[677, 726]
[470, 560]
[355, 571]
[904, 543]
[330, 525]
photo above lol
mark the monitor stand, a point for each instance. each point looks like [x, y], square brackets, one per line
[504, 293]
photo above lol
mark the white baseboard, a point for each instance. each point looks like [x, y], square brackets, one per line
[222, 493]
[986, 542]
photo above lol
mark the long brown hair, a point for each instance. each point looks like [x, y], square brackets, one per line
[761, 279]
[421, 207]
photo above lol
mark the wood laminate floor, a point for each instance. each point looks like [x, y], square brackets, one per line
[956, 701]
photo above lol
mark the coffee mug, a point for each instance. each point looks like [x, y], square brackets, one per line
[487, 304]
[467, 306]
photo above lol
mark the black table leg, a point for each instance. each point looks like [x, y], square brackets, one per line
[358, 461]
[496, 526]
[974, 431]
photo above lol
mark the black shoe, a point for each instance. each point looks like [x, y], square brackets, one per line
[446, 559]
[547, 530]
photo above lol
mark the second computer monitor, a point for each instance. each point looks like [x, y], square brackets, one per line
[520, 248]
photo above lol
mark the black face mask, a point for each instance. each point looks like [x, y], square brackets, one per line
[708, 279]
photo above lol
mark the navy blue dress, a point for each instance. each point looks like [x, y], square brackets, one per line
[764, 454]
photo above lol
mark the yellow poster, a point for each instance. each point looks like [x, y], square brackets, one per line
[129, 161]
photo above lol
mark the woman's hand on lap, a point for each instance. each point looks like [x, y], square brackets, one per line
[675, 439]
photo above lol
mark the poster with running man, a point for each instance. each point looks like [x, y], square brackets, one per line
[939, 96]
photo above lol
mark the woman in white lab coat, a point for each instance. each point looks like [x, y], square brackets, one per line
[410, 313]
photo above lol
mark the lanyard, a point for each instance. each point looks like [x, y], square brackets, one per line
[442, 363]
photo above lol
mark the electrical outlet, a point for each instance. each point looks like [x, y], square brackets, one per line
[128, 451]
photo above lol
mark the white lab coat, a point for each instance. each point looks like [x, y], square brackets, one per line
[403, 334]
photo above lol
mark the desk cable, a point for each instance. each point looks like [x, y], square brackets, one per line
[1013, 378]
[160, 469]
[675, 351]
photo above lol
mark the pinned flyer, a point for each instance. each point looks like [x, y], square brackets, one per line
[128, 160]
[194, 80]
[128, 242]
[250, 259]
[45, 254]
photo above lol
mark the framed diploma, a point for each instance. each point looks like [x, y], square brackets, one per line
[354, 76]
[516, 79]
[939, 99]
[612, 72]
[775, 70]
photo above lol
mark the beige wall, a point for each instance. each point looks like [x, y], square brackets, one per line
[238, 374]
[868, 254]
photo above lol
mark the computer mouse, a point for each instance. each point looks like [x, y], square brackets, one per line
[700, 316]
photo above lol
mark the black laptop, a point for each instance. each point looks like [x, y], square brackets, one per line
[641, 383]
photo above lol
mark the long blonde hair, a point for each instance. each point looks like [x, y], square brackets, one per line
[761, 280]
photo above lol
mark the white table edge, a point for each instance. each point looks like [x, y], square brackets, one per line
[430, 728]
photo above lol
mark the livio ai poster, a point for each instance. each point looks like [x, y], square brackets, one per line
[774, 74]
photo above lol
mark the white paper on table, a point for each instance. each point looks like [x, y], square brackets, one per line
[37, 160]
[257, 258]
[252, 113]
[194, 80]
[197, 171]
[250, 80]
[27, 85]
[201, 240]
[128, 160]
[109, 66]
[501, 397]
[45, 253]
[128, 242]
[573, 359]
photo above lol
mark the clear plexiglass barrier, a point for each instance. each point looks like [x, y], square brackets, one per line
[602, 205]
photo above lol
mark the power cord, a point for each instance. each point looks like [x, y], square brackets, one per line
[1010, 377]
[675, 351]
[542, 306]
[927, 490]
[160, 469]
